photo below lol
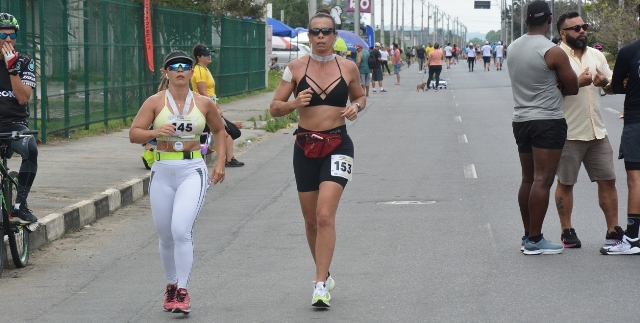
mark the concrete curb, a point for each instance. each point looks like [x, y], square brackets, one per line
[76, 216]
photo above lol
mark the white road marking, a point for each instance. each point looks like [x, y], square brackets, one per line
[470, 171]
[462, 139]
[457, 119]
[612, 110]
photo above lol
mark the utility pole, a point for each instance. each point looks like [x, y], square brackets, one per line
[313, 6]
[511, 12]
[356, 17]
[428, 19]
[435, 24]
[442, 15]
[381, 22]
[448, 30]
[373, 18]
[422, 25]
[412, 40]
[397, 9]
[392, 29]
[402, 34]
[521, 17]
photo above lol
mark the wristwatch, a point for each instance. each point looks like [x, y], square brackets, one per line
[359, 107]
[14, 72]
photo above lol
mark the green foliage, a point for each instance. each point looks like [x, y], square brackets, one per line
[275, 124]
[612, 26]
[475, 41]
[493, 36]
[200, 5]
[296, 12]
[238, 8]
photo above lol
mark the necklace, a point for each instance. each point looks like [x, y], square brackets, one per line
[322, 58]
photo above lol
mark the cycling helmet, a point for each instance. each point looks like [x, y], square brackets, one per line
[597, 46]
[8, 21]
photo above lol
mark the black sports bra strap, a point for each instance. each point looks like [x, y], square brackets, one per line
[309, 61]
[339, 69]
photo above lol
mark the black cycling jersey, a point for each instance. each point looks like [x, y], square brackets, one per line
[628, 65]
[11, 111]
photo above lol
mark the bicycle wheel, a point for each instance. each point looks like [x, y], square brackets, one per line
[18, 234]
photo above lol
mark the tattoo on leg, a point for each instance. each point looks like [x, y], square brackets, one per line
[559, 205]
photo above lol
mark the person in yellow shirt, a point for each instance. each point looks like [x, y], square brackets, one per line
[429, 49]
[203, 83]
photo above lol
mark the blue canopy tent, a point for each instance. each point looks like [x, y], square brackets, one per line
[280, 29]
[353, 39]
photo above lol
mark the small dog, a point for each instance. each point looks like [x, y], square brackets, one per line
[421, 86]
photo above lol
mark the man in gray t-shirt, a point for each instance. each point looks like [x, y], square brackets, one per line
[540, 75]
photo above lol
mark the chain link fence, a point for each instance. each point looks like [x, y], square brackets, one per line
[91, 64]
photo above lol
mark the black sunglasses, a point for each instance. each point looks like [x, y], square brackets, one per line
[324, 31]
[577, 28]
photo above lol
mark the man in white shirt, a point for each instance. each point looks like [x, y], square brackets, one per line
[587, 142]
[499, 51]
[448, 54]
[486, 54]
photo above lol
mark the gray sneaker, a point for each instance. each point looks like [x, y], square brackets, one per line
[543, 247]
[524, 239]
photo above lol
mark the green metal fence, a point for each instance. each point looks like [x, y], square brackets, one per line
[94, 68]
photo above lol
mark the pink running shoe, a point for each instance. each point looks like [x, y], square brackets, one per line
[170, 298]
[182, 302]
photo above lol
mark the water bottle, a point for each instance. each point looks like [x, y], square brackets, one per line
[208, 183]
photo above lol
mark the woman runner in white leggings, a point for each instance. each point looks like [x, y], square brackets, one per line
[179, 180]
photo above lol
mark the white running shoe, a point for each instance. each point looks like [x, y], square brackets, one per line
[321, 296]
[626, 246]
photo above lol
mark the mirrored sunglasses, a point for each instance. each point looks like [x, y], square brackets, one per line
[4, 36]
[324, 31]
[176, 66]
[577, 28]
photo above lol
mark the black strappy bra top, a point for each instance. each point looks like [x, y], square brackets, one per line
[337, 96]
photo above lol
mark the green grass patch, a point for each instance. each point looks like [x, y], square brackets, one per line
[277, 123]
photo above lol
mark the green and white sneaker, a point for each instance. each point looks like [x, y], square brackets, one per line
[543, 247]
[321, 296]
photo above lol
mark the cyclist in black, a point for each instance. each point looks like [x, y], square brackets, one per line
[17, 80]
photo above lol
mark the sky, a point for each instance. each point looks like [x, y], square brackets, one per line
[476, 20]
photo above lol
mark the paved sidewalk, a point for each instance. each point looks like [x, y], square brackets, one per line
[80, 181]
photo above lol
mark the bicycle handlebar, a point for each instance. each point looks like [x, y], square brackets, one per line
[15, 135]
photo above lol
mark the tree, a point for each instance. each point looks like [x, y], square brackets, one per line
[493, 36]
[613, 27]
[476, 41]
[232, 8]
[296, 12]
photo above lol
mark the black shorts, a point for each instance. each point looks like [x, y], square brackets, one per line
[310, 172]
[487, 59]
[376, 74]
[543, 134]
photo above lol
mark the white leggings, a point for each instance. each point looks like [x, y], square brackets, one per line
[177, 190]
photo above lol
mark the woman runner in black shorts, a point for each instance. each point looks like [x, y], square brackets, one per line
[322, 83]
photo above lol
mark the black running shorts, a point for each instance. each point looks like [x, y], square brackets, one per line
[543, 134]
[310, 172]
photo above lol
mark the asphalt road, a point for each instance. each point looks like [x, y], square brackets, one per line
[452, 257]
